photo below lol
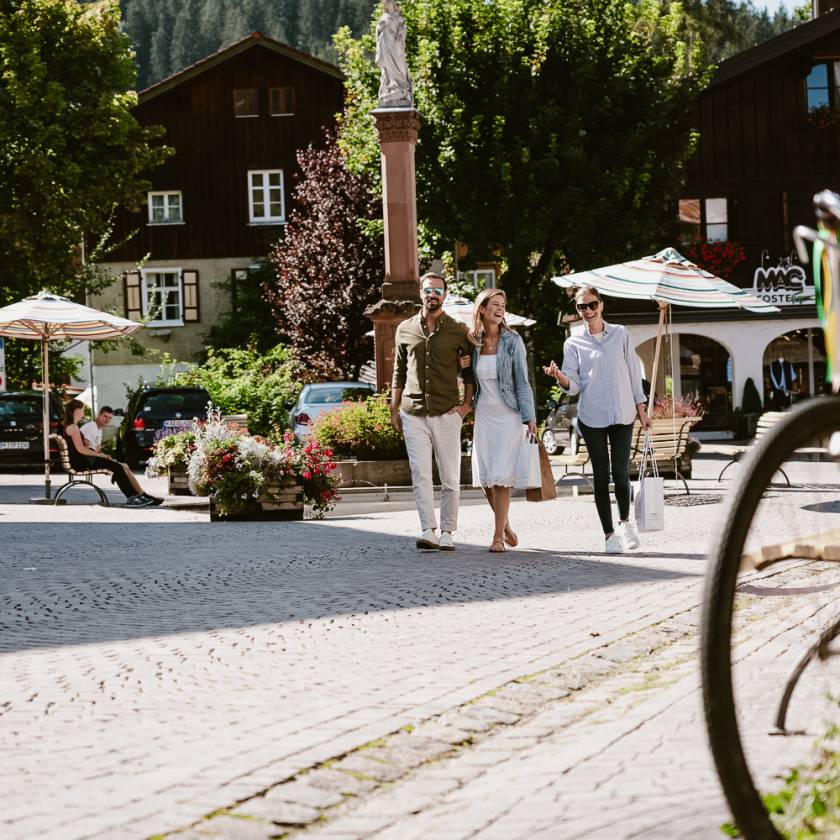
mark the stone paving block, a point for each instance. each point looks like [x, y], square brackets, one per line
[302, 793]
[229, 828]
[277, 811]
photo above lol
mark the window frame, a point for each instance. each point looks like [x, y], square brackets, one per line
[266, 219]
[165, 193]
[704, 223]
[832, 85]
[289, 113]
[256, 93]
[144, 296]
[474, 273]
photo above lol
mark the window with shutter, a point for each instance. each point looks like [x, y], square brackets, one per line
[190, 296]
[132, 295]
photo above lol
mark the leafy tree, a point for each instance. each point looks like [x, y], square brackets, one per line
[70, 148]
[548, 131]
[329, 266]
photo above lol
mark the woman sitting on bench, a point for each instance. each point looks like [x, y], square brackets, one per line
[82, 458]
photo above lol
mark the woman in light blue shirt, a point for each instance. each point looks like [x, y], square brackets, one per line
[601, 365]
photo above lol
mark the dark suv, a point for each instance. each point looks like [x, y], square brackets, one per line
[153, 408]
[22, 426]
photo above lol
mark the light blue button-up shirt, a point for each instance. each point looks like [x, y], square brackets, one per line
[607, 374]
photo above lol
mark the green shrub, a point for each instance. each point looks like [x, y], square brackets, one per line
[751, 403]
[245, 381]
[361, 430]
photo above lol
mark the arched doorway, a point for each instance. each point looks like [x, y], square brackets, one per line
[794, 368]
[694, 367]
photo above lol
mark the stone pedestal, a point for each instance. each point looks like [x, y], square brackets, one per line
[397, 129]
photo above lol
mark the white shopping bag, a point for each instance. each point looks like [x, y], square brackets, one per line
[649, 492]
[528, 474]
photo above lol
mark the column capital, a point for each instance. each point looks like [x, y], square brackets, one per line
[397, 125]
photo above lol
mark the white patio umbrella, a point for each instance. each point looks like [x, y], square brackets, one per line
[47, 317]
[667, 278]
[461, 309]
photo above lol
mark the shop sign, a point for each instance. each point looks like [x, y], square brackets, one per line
[784, 284]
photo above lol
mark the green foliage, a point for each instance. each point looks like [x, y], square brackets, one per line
[169, 35]
[70, 150]
[245, 381]
[361, 430]
[751, 403]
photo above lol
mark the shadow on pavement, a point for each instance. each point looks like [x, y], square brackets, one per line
[69, 583]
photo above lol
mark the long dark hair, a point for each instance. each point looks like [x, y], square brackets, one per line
[69, 409]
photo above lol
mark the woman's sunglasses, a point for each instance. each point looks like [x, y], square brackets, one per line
[582, 307]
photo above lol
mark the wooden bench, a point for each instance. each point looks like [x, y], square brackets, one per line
[573, 463]
[765, 423]
[77, 478]
[670, 443]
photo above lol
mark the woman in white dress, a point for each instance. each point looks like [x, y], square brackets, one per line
[504, 402]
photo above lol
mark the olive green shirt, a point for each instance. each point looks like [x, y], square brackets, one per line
[426, 364]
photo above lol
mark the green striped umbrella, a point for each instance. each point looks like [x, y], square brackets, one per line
[47, 317]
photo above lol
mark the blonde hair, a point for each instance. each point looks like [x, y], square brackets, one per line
[587, 290]
[476, 331]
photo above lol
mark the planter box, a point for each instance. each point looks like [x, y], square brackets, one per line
[281, 502]
[178, 483]
[392, 473]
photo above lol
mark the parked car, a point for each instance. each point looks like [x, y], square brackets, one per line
[319, 397]
[153, 408]
[22, 427]
[561, 430]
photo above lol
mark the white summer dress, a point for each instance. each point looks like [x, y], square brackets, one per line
[498, 433]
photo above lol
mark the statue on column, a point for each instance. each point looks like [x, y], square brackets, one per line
[395, 85]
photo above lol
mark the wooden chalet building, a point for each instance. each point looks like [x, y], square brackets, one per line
[236, 120]
[769, 126]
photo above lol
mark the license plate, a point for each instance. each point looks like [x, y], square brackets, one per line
[14, 444]
[176, 424]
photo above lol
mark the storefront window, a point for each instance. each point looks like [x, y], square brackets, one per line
[794, 368]
[705, 375]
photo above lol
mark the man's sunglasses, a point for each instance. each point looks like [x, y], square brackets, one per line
[582, 307]
[436, 290]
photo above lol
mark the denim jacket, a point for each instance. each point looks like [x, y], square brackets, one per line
[512, 371]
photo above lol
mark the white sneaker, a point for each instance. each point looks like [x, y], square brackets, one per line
[614, 545]
[428, 539]
[446, 543]
[629, 533]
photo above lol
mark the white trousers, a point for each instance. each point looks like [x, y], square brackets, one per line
[442, 435]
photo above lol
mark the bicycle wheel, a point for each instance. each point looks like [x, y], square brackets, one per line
[773, 543]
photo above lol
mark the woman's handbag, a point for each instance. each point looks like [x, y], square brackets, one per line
[528, 475]
[547, 489]
[650, 492]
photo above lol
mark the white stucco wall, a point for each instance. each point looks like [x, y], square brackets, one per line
[744, 340]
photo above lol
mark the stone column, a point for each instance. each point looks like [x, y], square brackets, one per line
[397, 129]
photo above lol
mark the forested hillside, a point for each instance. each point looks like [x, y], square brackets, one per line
[169, 35]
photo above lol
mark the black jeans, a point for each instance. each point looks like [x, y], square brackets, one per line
[117, 470]
[619, 437]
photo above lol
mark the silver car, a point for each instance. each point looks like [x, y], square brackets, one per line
[315, 399]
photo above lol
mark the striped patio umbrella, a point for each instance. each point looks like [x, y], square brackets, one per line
[47, 317]
[667, 278]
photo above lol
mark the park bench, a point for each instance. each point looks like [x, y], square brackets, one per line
[766, 422]
[670, 443]
[76, 478]
[574, 463]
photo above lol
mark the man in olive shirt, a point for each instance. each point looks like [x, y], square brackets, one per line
[426, 407]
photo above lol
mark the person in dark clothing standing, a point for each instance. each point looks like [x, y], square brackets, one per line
[82, 457]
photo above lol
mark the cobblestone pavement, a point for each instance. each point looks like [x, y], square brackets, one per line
[327, 679]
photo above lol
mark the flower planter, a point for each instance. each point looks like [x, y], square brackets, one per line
[178, 482]
[281, 501]
[393, 473]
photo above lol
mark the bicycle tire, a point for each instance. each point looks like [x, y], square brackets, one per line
[812, 419]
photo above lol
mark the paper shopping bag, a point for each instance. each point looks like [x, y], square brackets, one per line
[547, 489]
[650, 504]
[528, 473]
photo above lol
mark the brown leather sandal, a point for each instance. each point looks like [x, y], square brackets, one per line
[497, 546]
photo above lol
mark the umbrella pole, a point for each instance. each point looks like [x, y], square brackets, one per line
[45, 361]
[663, 311]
